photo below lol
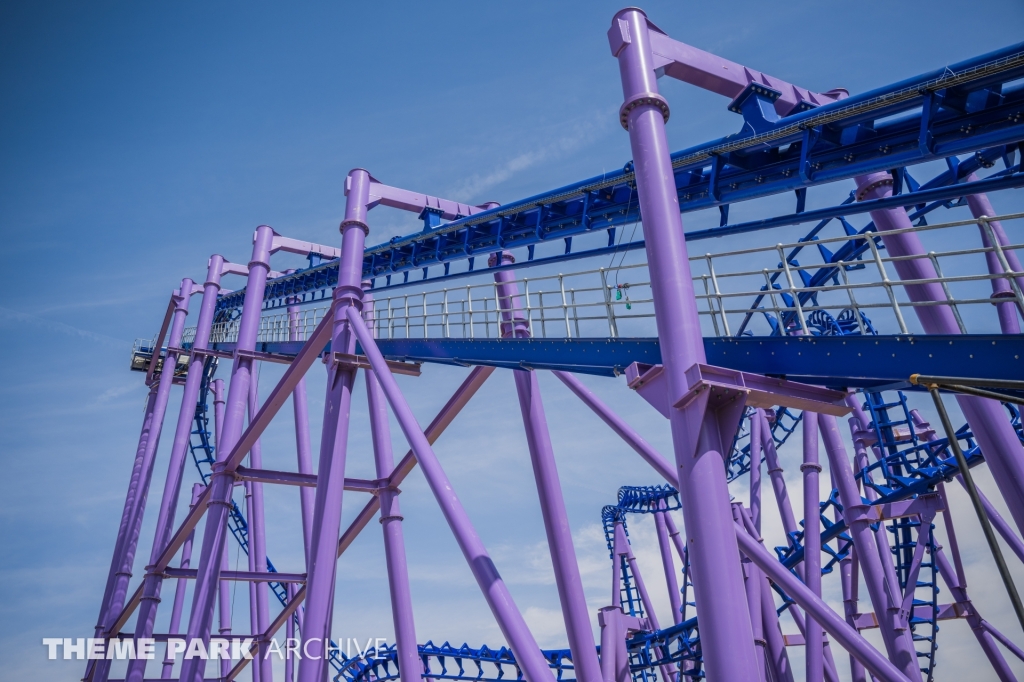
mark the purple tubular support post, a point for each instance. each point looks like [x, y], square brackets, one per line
[222, 481]
[495, 592]
[974, 620]
[134, 526]
[843, 632]
[999, 443]
[1003, 296]
[981, 207]
[756, 447]
[752, 583]
[665, 547]
[549, 488]
[127, 512]
[303, 449]
[258, 538]
[179, 589]
[812, 544]
[224, 588]
[900, 650]
[176, 463]
[323, 550]
[410, 666]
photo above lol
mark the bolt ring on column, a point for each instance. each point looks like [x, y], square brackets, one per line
[641, 99]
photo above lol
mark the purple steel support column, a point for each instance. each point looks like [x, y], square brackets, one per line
[289, 662]
[775, 472]
[813, 634]
[127, 559]
[323, 563]
[1003, 451]
[222, 482]
[179, 588]
[752, 584]
[755, 469]
[549, 490]
[254, 618]
[218, 409]
[665, 546]
[775, 643]
[900, 651]
[974, 620]
[495, 592]
[258, 539]
[224, 607]
[998, 522]
[410, 666]
[129, 505]
[303, 449]
[981, 207]
[726, 636]
[224, 588]
[176, 463]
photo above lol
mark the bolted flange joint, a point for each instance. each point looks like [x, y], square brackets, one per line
[866, 189]
[354, 223]
[641, 99]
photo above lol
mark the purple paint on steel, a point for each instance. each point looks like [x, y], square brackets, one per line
[410, 666]
[998, 522]
[624, 430]
[258, 538]
[322, 566]
[303, 449]
[959, 591]
[669, 566]
[179, 590]
[847, 636]
[812, 544]
[224, 588]
[981, 206]
[752, 584]
[756, 448]
[1003, 295]
[134, 525]
[771, 460]
[495, 592]
[900, 651]
[1003, 451]
[176, 463]
[549, 489]
[222, 481]
[126, 514]
[254, 622]
[775, 644]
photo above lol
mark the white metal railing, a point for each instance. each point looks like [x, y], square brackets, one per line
[863, 294]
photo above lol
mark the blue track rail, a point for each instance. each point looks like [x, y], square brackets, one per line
[961, 109]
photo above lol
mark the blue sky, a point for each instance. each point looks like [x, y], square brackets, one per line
[139, 138]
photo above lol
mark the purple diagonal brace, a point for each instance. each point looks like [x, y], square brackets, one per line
[999, 443]
[134, 524]
[549, 489]
[410, 666]
[323, 565]
[176, 463]
[495, 592]
[222, 481]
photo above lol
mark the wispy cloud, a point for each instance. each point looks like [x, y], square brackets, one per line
[574, 137]
[8, 315]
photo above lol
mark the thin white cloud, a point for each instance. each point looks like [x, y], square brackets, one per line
[6, 314]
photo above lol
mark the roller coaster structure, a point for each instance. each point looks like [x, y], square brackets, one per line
[737, 350]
